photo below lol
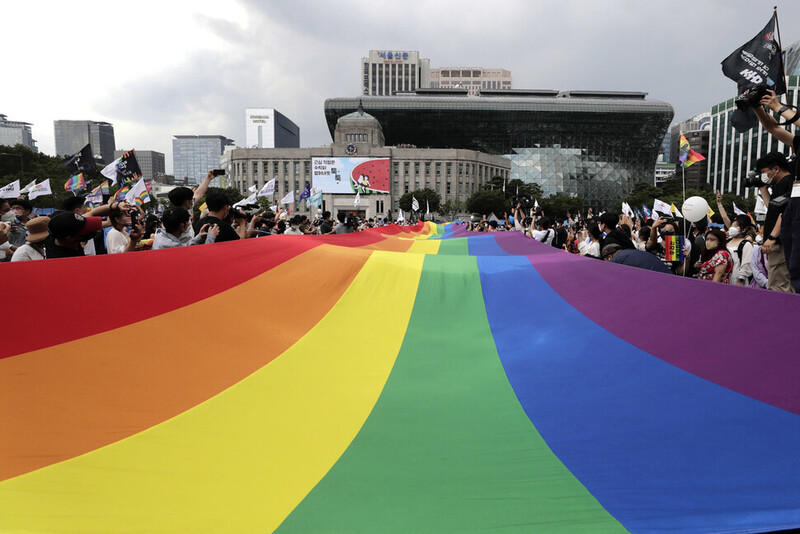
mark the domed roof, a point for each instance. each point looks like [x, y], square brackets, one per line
[358, 115]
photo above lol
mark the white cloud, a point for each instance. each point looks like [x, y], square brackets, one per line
[155, 69]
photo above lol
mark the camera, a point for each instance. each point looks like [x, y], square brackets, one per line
[751, 97]
[236, 213]
[524, 201]
[753, 179]
[219, 172]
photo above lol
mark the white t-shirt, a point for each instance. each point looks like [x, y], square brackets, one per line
[539, 235]
[116, 241]
[26, 253]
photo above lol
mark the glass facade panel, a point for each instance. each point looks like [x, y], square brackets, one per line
[596, 147]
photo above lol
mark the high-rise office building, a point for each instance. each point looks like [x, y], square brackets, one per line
[194, 155]
[150, 162]
[71, 136]
[16, 133]
[473, 79]
[268, 128]
[388, 72]
[592, 144]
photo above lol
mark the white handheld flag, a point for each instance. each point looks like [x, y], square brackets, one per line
[737, 211]
[252, 199]
[289, 198]
[11, 190]
[138, 191]
[268, 189]
[414, 203]
[427, 207]
[27, 188]
[400, 216]
[761, 209]
[535, 204]
[357, 201]
[663, 207]
[40, 189]
[253, 188]
[110, 170]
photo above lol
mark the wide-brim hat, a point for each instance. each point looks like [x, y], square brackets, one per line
[37, 229]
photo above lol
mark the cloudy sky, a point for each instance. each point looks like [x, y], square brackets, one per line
[159, 68]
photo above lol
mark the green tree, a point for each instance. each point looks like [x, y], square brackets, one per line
[433, 198]
[531, 190]
[21, 163]
[450, 209]
[487, 202]
[559, 205]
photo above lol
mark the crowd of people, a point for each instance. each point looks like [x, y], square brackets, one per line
[739, 252]
[119, 227]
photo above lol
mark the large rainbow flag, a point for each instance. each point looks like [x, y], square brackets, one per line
[419, 379]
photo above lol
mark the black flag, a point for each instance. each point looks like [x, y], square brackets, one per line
[83, 161]
[759, 61]
[128, 168]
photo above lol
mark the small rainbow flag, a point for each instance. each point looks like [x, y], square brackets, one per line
[673, 248]
[76, 183]
[121, 192]
[688, 156]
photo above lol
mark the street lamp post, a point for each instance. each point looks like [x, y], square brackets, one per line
[21, 165]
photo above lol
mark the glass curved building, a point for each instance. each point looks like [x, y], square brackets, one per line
[591, 144]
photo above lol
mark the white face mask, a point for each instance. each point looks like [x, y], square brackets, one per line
[759, 240]
[765, 177]
[733, 231]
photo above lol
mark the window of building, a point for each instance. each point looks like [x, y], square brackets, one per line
[296, 168]
[445, 74]
[438, 187]
[396, 187]
[406, 168]
[438, 169]
[416, 168]
[255, 168]
[416, 186]
[427, 168]
[449, 169]
[460, 188]
[265, 168]
[460, 168]
[448, 188]
[275, 168]
[405, 187]
[396, 168]
[285, 186]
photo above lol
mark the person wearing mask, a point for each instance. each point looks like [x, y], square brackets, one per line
[591, 247]
[715, 263]
[119, 240]
[218, 210]
[543, 232]
[759, 265]
[294, 226]
[741, 250]
[608, 225]
[37, 234]
[21, 208]
[175, 221]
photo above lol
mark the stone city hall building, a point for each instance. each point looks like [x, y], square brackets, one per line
[358, 141]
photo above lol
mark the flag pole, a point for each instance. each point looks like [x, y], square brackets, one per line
[780, 44]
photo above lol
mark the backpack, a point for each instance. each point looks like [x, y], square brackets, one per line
[560, 239]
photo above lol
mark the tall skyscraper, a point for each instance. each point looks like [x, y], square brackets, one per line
[150, 162]
[71, 136]
[268, 128]
[194, 155]
[16, 133]
[388, 72]
[473, 79]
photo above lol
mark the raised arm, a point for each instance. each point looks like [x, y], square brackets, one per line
[770, 124]
[203, 187]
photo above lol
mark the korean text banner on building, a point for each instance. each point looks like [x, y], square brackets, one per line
[351, 175]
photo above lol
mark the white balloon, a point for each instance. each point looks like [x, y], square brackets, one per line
[694, 208]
